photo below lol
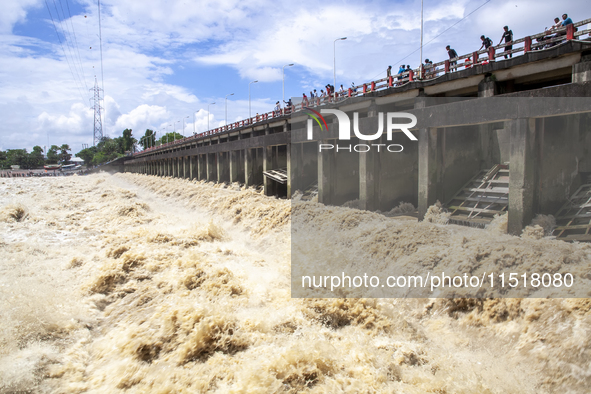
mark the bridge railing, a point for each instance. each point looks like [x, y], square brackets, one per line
[433, 71]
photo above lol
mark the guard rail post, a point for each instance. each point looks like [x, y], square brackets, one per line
[570, 32]
[447, 64]
[527, 45]
[491, 53]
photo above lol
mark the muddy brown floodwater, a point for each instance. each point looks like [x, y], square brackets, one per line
[133, 283]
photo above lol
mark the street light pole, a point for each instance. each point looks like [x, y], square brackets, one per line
[231, 94]
[334, 59]
[184, 125]
[421, 63]
[174, 132]
[287, 65]
[208, 114]
[249, 112]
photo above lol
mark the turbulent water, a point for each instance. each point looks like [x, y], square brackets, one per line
[145, 284]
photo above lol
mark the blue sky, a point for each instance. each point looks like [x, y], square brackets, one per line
[165, 60]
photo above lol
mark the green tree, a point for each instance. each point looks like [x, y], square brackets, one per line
[108, 149]
[3, 160]
[87, 154]
[127, 141]
[36, 158]
[64, 155]
[108, 146]
[18, 157]
[170, 137]
[52, 154]
[147, 139]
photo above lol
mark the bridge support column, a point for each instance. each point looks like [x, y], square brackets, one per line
[369, 180]
[187, 167]
[288, 158]
[326, 173]
[248, 167]
[487, 88]
[267, 165]
[211, 167]
[430, 168]
[234, 157]
[202, 170]
[582, 71]
[295, 168]
[223, 169]
[521, 174]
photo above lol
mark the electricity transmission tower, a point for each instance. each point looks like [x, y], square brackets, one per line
[98, 123]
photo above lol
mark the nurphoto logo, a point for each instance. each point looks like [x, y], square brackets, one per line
[345, 130]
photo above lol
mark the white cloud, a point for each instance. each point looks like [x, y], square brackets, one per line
[141, 118]
[14, 11]
[146, 41]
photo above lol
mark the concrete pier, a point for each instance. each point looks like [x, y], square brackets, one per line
[531, 113]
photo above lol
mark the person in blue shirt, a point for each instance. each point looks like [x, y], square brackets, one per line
[566, 20]
[400, 71]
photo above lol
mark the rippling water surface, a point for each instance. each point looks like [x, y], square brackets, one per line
[145, 284]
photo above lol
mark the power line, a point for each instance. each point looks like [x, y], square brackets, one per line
[62, 45]
[76, 43]
[68, 41]
[101, 50]
[437, 36]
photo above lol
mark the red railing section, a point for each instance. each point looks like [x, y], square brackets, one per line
[433, 71]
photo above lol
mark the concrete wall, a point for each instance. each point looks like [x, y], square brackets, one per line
[564, 159]
[461, 158]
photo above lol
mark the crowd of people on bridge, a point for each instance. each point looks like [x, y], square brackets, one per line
[427, 69]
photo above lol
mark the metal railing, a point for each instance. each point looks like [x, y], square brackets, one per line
[536, 42]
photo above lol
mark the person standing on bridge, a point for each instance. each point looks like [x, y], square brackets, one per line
[452, 55]
[486, 42]
[508, 36]
[566, 20]
[400, 71]
[389, 72]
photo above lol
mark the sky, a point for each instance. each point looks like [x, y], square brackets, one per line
[164, 62]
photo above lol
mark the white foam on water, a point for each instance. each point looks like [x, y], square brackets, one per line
[146, 284]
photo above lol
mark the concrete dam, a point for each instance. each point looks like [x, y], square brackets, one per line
[500, 135]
